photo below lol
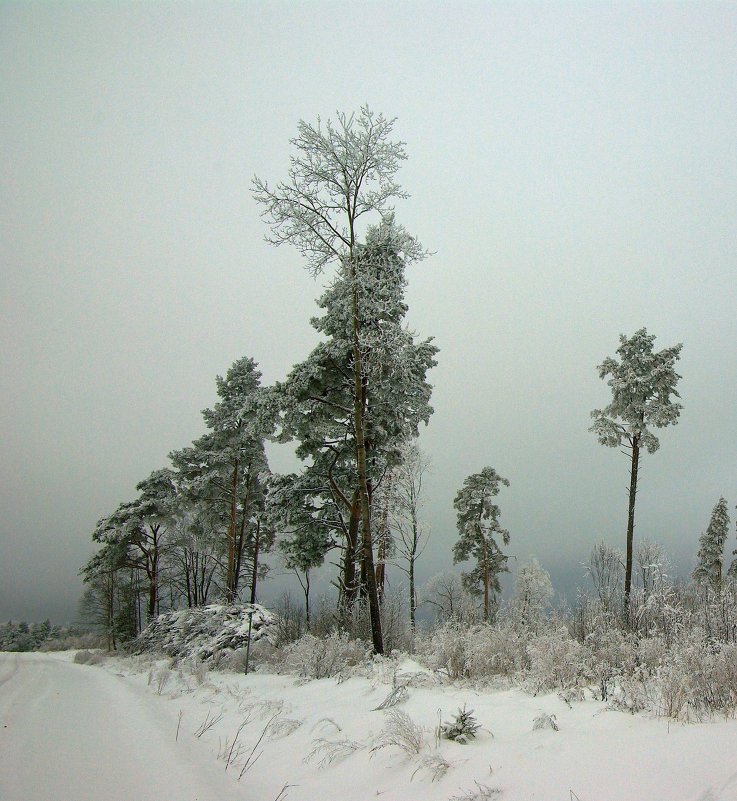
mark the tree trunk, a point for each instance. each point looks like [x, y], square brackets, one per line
[412, 594]
[358, 422]
[486, 584]
[254, 575]
[383, 540]
[232, 522]
[350, 588]
[631, 519]
[306, 588]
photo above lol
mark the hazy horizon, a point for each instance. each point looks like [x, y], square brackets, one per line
[572, 167]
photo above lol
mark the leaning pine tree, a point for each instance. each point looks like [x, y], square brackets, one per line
[342, 175]
[708, 571]
[643, 384]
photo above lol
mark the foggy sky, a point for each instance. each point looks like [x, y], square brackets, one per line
[573, 168]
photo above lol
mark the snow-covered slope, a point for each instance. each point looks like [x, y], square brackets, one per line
[139, 730]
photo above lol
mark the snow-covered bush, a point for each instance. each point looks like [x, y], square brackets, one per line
[476, 652]
[557, 661]
[204, 631]
[289, 623]
[698, 678]
[544, 721]
[651, 651]
[532, 593]
[445, 648]
[73, 641]
[498, 650]
[319, 658]
[613, 653]
[88, 658]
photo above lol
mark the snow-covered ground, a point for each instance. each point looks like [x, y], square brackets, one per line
[127, 731]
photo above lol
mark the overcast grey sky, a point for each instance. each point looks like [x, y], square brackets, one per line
[572, 166]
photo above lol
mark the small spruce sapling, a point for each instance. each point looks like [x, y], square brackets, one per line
[462, 728]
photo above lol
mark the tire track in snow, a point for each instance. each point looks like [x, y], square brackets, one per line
[77, 732]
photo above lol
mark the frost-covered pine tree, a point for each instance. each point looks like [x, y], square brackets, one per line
[341, 175]
[304, 523]
[340, 172]
[643, 384]
[140, 527]
[710, 557]
[226, 469]
[478, 531]
[732, 572]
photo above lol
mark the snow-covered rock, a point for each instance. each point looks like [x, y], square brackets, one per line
[204, 631]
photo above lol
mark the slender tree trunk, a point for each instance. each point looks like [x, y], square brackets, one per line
[242, 533]
[111, 613]
[631, 519]
[383, 539]
[254, 575]
[349, 587]
[358, 422]
[188, 576]
[153, 575]
[306, 587]
[412, 593]
[486, 584]
[230, 572]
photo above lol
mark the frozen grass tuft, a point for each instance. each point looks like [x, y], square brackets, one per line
[323, 722]
[400, 731]
[209, 721]
[544, 721]
[283, 727]
[435, 765]
[396, 696]
[482, 792]
[328, 751]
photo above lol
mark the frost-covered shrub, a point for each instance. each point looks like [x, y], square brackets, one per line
[698, 678]
[289, 623]
[319, 658]
[613, 653]
[557, 661]
[651, 651]
[497, 651]
[72, 642]
[88, 658]
[450, 599]
[476, 652]
[446, 648]
[544, 721]
[532, 593]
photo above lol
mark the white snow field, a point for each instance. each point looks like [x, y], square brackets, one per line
[126, 731]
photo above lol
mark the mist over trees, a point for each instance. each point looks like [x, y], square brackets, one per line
[216, 522]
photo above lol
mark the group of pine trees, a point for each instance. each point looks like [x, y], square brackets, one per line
[199, 527]
[353, 408]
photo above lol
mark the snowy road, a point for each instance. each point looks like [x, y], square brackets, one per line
[77, 733]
